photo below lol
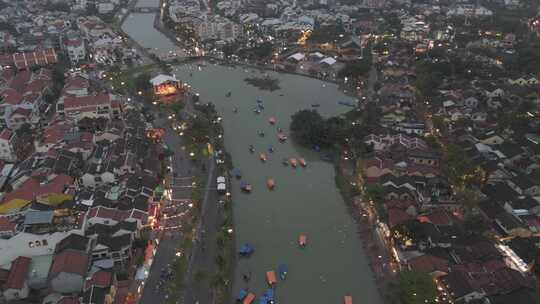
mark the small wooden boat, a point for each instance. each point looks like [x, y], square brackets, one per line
[261, 133]
[282, 137]
[315, 105]
[347, 300]
[228, 94]
[270, 184]
[246, 250]
[302, 162]
[263, 157]
[302, 240]
[237, 174]
[293, 162]
[269, 294]
[271, 277]
[272, 120]
[283, 270]
[257, 111]
[249, 299]
[242, 295]
[251, 148]
[246, 187]
[285, 162]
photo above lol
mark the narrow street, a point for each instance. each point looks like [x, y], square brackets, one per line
[185, 171]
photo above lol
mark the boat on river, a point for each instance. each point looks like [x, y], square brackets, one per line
[261, 133]
[236, 173]
[270, 184]
[269, 294]
[282, 137]
[285, 162]
[283, 269]
[346, 103]
[293, 162]
[271, 277]
[228, 94]
[272, 120]
[315, 105]
[257, 111]
[271, 149]
[302, 162]
[246, 250]
[251, 148]
[263, 157]
[241, 295]
[249, 299]
[245, 187]
[302, 240]
[347, 300]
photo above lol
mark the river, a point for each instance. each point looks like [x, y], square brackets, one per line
[305, 201]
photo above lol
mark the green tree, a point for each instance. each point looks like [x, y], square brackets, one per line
[356, 68]
[308, 128]
[428, 79]
[375, 193]
[457, 164]
[416, 288]
[142, 82]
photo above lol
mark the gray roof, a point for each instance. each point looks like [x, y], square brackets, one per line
[38, 217]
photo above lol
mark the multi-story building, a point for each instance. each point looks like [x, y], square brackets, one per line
[77, 107]
[75, 49]
[217, 27]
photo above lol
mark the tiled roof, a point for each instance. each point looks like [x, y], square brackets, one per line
[20, 80]
[438, 217]
[32, 188]
[11, 96]
[100, 278]
[18, 273]
[26, 60]
[428, 263]
[71, 262]
[6, 134]
[22, 112]
[397, 216]
[73, 102]
[7, 225]
[76, 83]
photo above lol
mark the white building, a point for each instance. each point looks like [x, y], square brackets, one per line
[77, 107]
[217, 27]
[76, 49]
[6, 146]
[105, 7]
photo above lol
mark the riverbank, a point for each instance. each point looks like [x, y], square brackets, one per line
[366, 225]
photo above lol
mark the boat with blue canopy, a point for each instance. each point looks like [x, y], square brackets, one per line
[269, 294]
[283, 269]
[246, 250]
[236, 173]
[242, 295]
